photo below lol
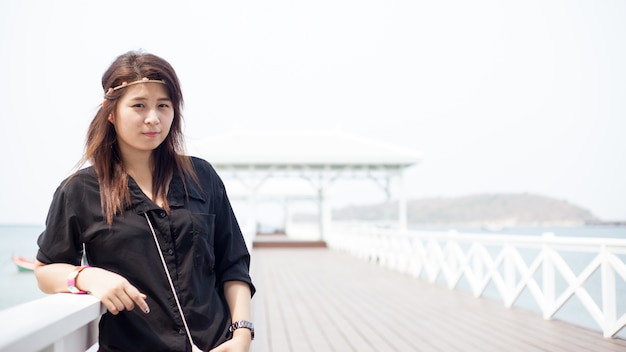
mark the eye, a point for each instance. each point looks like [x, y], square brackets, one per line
[164, 105]
[138, 105]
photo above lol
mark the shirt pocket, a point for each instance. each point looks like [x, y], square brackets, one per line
[203, 241]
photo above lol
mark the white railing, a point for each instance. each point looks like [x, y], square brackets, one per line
[68, 323]
[510, 263]
[57, 323]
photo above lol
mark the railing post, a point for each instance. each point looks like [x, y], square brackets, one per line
[509, 276]
[547, 308]
[609, 304]
[478, 270]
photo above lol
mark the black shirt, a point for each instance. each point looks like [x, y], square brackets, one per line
[200, 240]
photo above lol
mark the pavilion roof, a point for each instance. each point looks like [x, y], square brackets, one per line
[312, 149]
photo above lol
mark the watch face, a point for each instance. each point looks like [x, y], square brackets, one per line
[245, 324]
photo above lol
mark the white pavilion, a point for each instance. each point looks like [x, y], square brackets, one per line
[258, 165]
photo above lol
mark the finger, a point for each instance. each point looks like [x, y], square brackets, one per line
[127, 302]
[119, 305]
[145, 308]
[138, 298]
[111, 307]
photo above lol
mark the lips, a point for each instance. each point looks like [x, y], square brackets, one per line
[151, 134]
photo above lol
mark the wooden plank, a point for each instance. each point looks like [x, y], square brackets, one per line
[321, 300]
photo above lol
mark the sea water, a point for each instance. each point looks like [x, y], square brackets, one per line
[17, 287]
[21, 287]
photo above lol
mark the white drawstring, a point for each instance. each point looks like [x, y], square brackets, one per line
[194, 348]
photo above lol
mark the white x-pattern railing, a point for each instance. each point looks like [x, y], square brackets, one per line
[512, 263]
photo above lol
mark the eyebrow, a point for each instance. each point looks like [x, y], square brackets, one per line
[141, 97]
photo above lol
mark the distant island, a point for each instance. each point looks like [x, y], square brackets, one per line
[497, 210]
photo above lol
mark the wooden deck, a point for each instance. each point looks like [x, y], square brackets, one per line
[316, 299]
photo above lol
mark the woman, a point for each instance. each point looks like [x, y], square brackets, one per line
[143, 207]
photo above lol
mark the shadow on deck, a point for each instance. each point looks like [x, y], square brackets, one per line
[317, 299]
[281, 240]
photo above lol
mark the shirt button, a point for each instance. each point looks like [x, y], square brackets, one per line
[181, 331]
[162, 214]
[170, 251]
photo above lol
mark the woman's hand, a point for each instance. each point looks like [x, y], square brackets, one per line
[113, 290]
[239, 343]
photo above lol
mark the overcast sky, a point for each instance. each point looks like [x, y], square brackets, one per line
[500, 96]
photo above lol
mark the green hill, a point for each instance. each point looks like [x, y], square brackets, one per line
[476, 210]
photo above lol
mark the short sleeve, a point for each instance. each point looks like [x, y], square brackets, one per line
[233, 258]
[60, 241]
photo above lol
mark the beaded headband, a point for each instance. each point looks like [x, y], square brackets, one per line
[126, 84]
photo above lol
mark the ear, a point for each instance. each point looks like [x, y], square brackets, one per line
[111, 119]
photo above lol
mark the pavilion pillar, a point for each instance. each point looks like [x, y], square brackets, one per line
[253, 220]
[325, 213]
[402, 203]
[287, 215]
[322, 184]
[253, 186]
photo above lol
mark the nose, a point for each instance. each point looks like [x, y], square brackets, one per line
[152, 117]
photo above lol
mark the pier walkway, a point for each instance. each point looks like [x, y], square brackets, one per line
[318, 299]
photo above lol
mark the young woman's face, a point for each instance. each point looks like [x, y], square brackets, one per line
[143, 118]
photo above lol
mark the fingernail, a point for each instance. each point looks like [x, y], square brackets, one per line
[147, 310]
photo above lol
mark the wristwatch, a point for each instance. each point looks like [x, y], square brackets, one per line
[242, 324]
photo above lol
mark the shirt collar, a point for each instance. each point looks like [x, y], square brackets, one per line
[175, 196]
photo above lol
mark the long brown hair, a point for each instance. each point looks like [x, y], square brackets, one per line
[102, 150]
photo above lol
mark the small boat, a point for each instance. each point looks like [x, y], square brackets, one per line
[24, 264]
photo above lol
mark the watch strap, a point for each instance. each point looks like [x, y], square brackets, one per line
[71, 279]
[242, 324]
